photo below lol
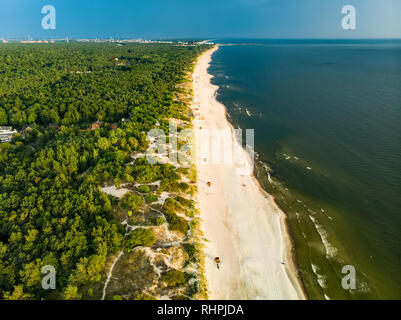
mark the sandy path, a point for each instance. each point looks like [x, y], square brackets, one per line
[242, 224]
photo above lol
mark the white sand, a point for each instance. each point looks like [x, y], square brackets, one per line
[113, 191]
[243, 225]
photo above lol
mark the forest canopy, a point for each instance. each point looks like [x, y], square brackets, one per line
[52, 211]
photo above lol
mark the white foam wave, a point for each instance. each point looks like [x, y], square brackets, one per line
[269, 178]
[331, 251]
[321, 279]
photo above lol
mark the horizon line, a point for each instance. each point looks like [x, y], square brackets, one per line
[189, 38]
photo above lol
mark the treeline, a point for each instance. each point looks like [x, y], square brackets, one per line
[81, 83]
[52, 211]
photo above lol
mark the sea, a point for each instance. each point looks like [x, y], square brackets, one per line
[326, 116]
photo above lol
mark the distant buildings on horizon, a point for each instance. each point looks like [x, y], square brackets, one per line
[101, 40]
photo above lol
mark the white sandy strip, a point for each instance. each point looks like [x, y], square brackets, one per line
[110, 274]
[243, 225]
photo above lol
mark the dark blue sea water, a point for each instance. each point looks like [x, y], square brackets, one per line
[327, 120]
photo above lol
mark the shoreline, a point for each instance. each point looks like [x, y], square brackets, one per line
[241, 222]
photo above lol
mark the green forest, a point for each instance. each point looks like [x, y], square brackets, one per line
[52, 209]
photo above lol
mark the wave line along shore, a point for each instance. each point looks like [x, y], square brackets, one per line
[241, 222]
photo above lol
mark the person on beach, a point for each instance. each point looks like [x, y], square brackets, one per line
[217, 260]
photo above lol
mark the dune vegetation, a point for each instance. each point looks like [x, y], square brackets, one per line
[82, 112]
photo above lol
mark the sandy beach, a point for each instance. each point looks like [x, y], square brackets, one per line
[241, 222]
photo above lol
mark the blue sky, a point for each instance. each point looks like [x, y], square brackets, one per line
[158, 19]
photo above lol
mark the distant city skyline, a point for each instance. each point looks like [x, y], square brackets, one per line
[214, 19]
